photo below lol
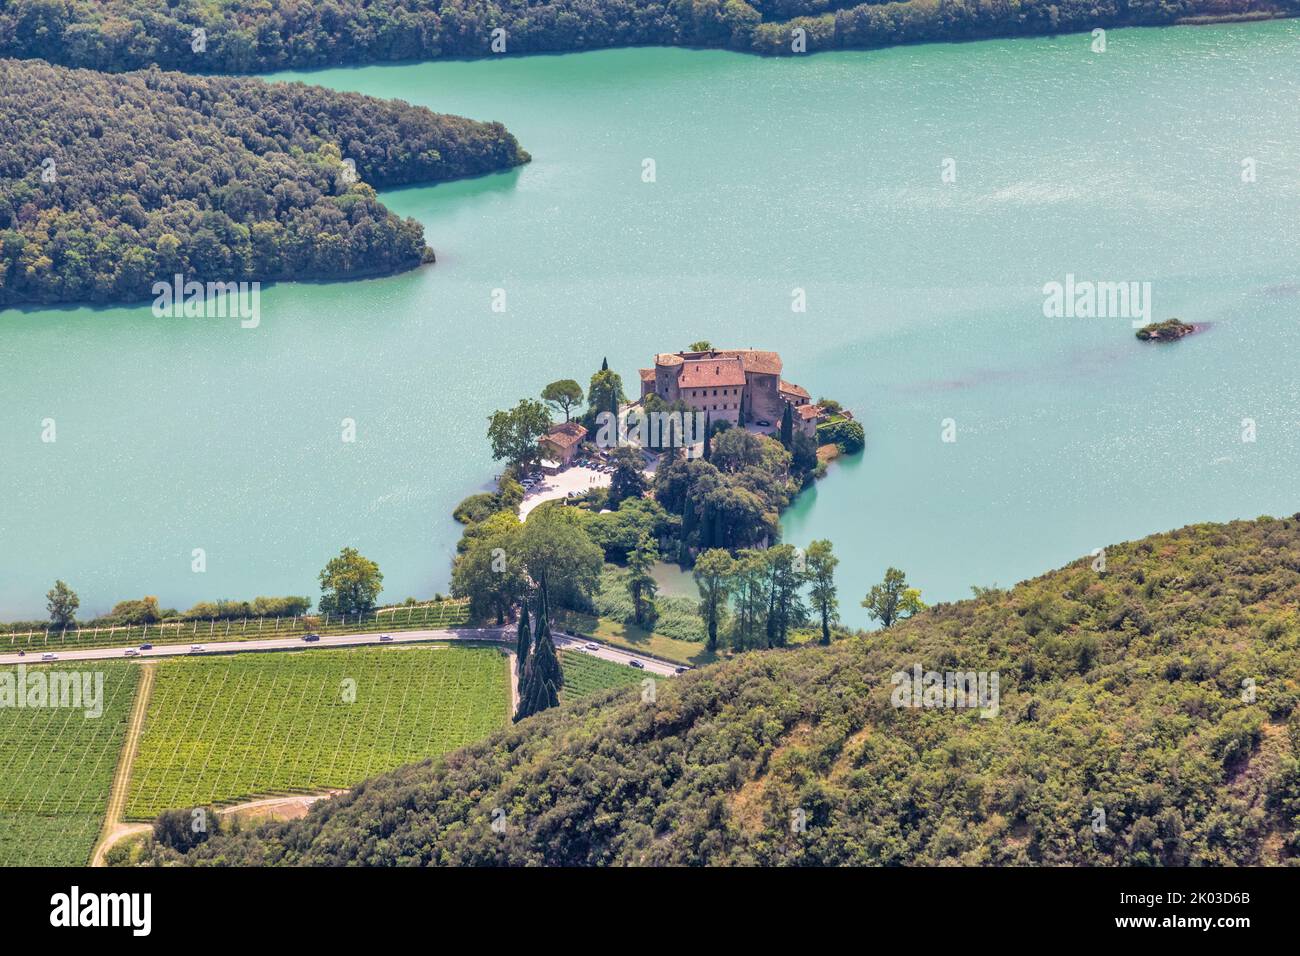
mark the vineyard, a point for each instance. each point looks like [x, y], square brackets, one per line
[584, 674]
[439, 615]
[56, 766]
[224, 729]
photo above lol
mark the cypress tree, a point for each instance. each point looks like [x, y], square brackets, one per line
[543, 676]
[524, 640]
[604, 364]
[787, 426]
[708, 450]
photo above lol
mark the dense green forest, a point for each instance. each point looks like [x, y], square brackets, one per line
[108, 182]
[1148, 715]
[241, 36]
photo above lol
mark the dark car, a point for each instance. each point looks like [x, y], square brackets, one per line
[679, 670]
[763, 424]
[146, 647]
[311, 637]
[635, 663]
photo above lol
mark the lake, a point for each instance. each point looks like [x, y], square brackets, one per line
[924, 304]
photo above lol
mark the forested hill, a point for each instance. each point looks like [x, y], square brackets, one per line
[110, 181]
[241, 36]
[1147, 716]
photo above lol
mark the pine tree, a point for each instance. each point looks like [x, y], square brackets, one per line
[524, 639]
[787, 426]
[543, 676]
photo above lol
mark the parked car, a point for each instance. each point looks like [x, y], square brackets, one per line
[146, 647]
[385, 638]
[49, 657]
[636, 663]
[763, 423]
[310, 638]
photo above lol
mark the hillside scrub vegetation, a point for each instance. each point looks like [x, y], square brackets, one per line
[1147, 716]
[109, 183]
[244, 36]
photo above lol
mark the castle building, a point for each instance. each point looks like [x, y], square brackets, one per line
[725, 383]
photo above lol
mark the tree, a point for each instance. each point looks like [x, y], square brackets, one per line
[703, 345]
[62, 603]
[143, 611]
[787, 426]
[514, 434]
[604, 394]
[821, 565]
[543, 676]
[713, 571]
[628, 480]
[523, 639]
[748, 587]
[707, 452]
[641, 585]
[785, 607]
[563, 395]
[350, 584]
[560, 556]
[892, 600]
[489, 572]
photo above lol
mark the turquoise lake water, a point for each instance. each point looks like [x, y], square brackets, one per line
[822, 173]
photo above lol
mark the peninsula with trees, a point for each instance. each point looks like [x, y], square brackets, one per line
[109, 183]
[246, 36]
[707, 497]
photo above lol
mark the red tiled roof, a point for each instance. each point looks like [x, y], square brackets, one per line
[647, 374]
[707, 373]
[789, 388]
[753, 360]
[807, 412]
[566, 434]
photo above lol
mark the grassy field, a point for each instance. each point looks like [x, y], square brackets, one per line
[56, 766]
[442, 614]
[584, 674]
[632, 638]
[225, 729]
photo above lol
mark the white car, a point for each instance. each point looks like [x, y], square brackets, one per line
[196, 648]
[49, 657]
[385, 638]
[132, 652]
[592, 647]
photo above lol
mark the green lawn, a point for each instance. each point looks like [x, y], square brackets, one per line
[56, 768]
[225, 729]
[584, 674]
[443, 614]
[632, 638]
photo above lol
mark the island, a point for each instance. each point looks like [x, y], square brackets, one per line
[1169, 330]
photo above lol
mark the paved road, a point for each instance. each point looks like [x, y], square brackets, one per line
[504, 635]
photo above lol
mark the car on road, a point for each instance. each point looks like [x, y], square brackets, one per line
[763, 423]
[635, 663]
[146, 647]
[385, 638]
[196, 648]
[309, 638]
[680, 670]
[592, 647]
[49, 657]
[131, 652]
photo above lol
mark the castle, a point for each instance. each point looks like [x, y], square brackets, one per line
[743, 386]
